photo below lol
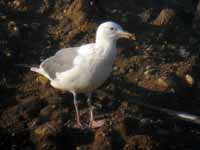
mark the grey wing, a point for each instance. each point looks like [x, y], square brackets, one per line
[60, 62]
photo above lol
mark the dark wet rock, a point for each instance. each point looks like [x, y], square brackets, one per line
[35, 26]
[183, 52]
[196, 20]
[146, 15]
[45, 113]
[182, 87]
[198, 9]
[2, 16]
[131, 124]
[30, 107]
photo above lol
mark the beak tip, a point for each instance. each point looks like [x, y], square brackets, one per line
[128, 35]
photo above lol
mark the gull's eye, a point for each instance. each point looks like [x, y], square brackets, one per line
[111, 28]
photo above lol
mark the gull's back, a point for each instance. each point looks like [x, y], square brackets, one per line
[62, 61]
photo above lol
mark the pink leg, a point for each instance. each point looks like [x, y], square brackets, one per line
[92, 122]
[78, 123]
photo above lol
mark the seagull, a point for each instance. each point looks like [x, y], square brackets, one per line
[83, 69]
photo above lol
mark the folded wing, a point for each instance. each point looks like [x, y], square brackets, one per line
[62, 61]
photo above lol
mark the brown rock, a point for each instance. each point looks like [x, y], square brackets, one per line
[141, 142]
[76, 10]
[189, 79]
[164, 17]
[101, 141]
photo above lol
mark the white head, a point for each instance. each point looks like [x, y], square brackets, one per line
[111, 31]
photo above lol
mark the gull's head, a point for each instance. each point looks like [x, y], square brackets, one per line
[111, 31]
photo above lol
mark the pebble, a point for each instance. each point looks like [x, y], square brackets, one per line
[13, 29]
[17, 3]
[145, 122]
[183, 52]
[162, 132]
[150, 71]
[130, 70]
[42, 80]
[162, 83]
[164, 17]
[147, 72]
[35, 25]
[12, 26]
[189, 79]
[8, 53]
[2, 16]
[115, 68]
[145, 15]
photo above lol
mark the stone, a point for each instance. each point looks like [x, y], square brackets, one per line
[164, 17]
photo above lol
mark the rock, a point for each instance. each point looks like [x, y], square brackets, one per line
[164, 17]
[42, 80]
[13, 29]
[145, 15]
[162, 83]
[197, 13]
[45, 114]
[189, 79]
[44, 6]
[182, 87]
[196, 20]
[30, 107]
[183, 52]
[150, 71]
[44, 135]
[142, 142]
[78, 9]
[101, 141]
[35, 25]
[44, 130]
[17, 3]
[2, 16]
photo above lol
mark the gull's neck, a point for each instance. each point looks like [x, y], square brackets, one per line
[106, 43]
[107, 49]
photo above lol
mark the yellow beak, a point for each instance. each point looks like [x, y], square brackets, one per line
[127, 35]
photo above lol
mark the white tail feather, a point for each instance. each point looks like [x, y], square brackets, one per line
[40, 71]
[35, 69]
